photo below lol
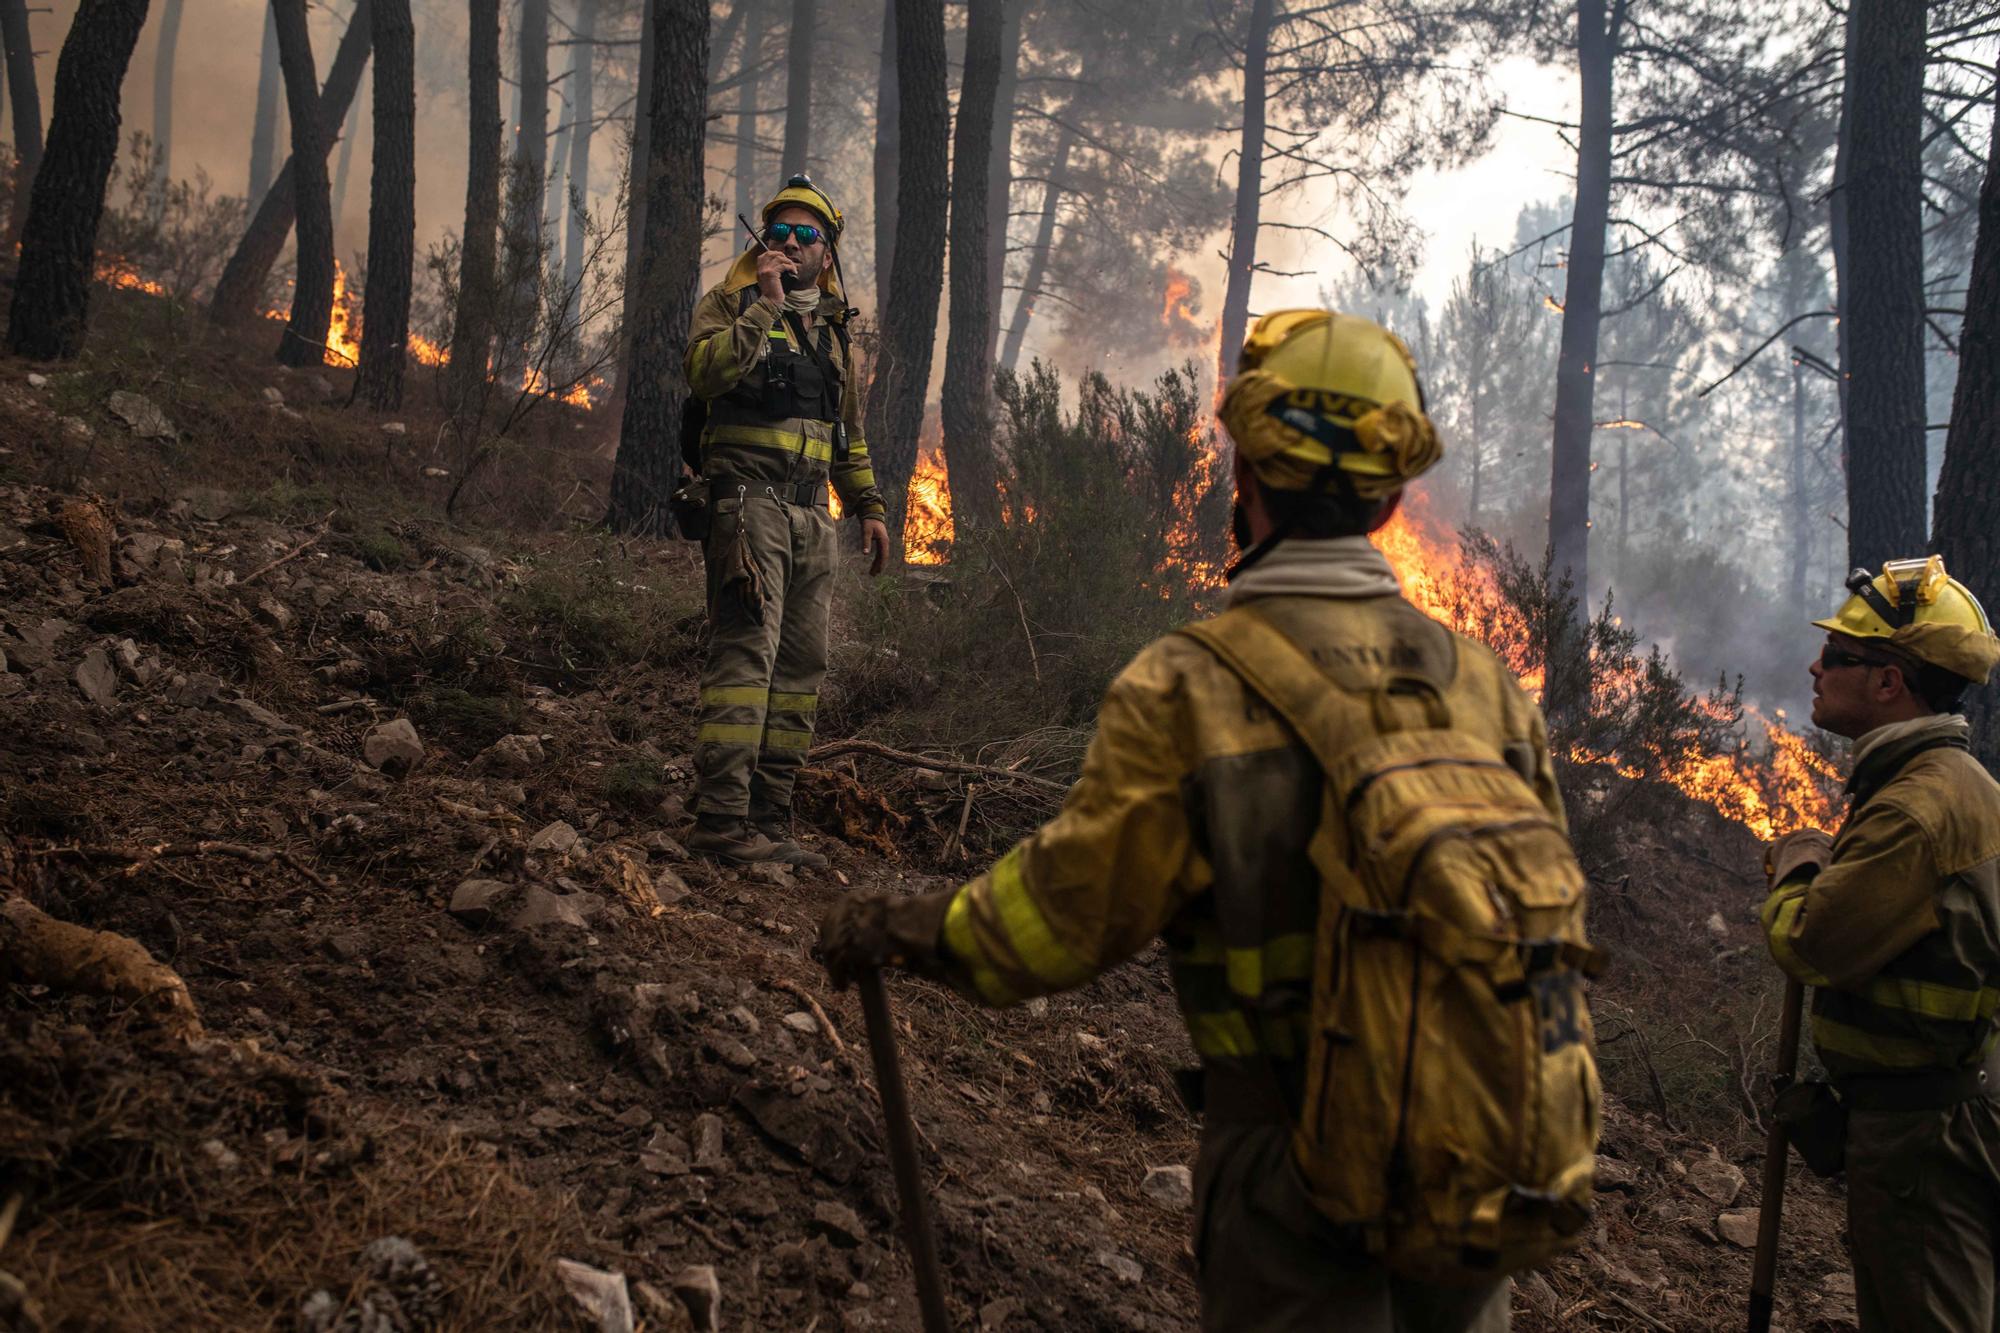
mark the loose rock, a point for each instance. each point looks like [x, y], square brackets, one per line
[1716, 1180]
[97, 678]
[1171, 1187]
[1739, 1228]
[708, 1143]
[511, 756]
[801, 1022]
[559, 837]
[1129, 1272]
[540, 908]
[141, 415]
[602, 1295]
[393, 748]
[702, 1295]
[839, 1224]
[474, 900]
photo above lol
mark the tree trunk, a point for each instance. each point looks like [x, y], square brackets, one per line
[392, 209]
[969, 345]
[909, 328]
[649, 465]
[26, 101]
[1885, 280]
[264, 124]
[1968, 494]
[1000, 166]
[968, 355]
[523, 259]
[239, 290]
[1583, 303]
[1798, 498]
[478, 259]
[59, 242]
[798, 88]
[304, 339]
[583, 112]
[1249, 193]
[888, 154]
[636, 191]
[163, 101]
[1038, 254]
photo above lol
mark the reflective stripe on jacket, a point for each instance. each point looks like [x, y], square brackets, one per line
[1191, 789]
[725, 349]
[1901, 930]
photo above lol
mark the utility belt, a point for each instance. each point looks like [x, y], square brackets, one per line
[693, 503]
[1932, 1091]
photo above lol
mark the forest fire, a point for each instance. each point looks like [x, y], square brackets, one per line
[115, 272]
[1176, 306]
[1791, 786]
[927, 528]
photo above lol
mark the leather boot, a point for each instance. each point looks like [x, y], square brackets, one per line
[785, 848]
[730, 839]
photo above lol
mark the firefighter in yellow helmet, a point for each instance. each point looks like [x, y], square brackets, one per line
[1194, 814]
[768, 353]
[1896, 923]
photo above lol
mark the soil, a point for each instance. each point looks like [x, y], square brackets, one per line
[612, 1054]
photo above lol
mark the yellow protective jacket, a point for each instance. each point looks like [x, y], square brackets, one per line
[1900, 932]
[1192, 788]
[729, 344]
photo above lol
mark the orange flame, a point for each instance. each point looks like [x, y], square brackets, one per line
[115, 272]
[1792, 786]
[1179, 288]
[343, 344]
[927, 528]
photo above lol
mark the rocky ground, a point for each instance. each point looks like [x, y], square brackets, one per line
[473, 1043]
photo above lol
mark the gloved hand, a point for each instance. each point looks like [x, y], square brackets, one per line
[873, 929]
[1798, 850]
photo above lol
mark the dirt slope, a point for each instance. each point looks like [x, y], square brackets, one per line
[607, 1053]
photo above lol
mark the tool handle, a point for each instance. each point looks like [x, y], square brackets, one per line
[903, 1153]
[1764, 1272]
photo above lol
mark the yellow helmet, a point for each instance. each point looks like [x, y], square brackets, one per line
[1914, 606]
[800, 192]
[1324, 401]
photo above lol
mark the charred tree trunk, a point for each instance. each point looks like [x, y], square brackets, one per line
[1583, 300]
[968, 354]
[163, 100]
[649, 464]
[637, 188]
[1968, 494]
[264, 122]
[1884, 282]
[1038, 253]
[528, 180]
[1000, 166]
[59, 243]
[1249, 192]
[583, 114]
[798, 87]
[888, 156]
[1798, 496]
[241, 285]
[478, 259]
[909, 324]
[25, 93]
[392, 209]
[304, 339]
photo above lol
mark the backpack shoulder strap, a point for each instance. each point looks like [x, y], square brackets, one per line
[744, 299]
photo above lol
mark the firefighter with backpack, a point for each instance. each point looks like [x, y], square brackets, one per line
[1342, 819]
[775, 421]
[1896, 924]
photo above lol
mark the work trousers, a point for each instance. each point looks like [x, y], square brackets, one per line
[770, 585]
[1269, 1262]
[1923, 1213]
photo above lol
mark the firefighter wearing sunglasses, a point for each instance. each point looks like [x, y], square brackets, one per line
[768, 358]
[1896, 922]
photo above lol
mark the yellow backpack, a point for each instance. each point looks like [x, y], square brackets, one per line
[1450, 1112]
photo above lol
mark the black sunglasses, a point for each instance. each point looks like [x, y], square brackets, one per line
[1833, 658]
[779, 232]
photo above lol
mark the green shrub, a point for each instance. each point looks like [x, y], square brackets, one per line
[472, 721]
[632, 785]
[578, 613]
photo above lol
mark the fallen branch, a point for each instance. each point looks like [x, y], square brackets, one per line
[292, 554]
[141, 857]
[825, 1023]
[834, 749]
